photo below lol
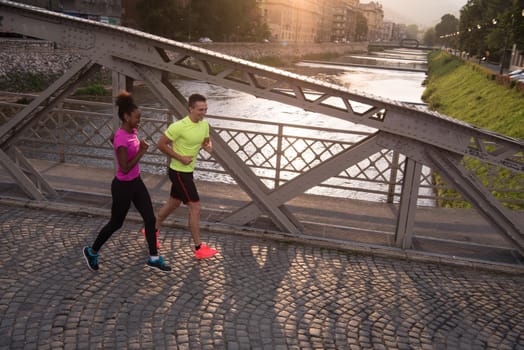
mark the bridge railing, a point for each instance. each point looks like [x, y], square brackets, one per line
[79, 131]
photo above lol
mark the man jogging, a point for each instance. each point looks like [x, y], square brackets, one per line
[182, 141]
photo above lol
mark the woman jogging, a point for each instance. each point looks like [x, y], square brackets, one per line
[127, 186]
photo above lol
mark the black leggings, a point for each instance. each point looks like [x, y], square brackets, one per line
[125, 192]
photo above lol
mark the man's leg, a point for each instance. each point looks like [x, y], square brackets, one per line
[170, 206]
[194, 221]
[202, 251]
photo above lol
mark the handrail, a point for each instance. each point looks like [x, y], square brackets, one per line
[376, 189]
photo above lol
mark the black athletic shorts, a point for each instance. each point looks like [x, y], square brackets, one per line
[183, 187]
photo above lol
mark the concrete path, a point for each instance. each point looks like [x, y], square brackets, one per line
[257, 294]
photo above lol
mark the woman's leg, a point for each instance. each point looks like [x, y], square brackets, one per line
[142, 202]
[121, 202]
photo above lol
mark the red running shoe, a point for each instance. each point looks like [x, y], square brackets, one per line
[157, 233]
[205, 252]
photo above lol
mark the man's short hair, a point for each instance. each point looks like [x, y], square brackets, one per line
[195, 98]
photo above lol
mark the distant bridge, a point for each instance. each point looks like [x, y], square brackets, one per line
[404, 43]
[424, 138]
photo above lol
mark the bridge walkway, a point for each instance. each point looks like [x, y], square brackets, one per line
[459, 237]
[255, 294]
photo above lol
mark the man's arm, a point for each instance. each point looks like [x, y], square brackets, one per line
[164, 145]
[207, 145]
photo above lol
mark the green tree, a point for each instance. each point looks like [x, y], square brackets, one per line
[430, 37]
[229, 20]
[220, 20]
[493, 25]
[472, 28]
[448, 25]
[252, 26]
[158, 18]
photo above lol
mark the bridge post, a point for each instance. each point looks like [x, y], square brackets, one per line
[278, 153]
[393, 177]
[408, 204]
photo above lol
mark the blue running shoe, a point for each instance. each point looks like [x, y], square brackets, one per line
[158, 264]
[91, 259]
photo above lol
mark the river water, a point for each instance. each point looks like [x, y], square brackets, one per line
[400, 85]
[404, 86]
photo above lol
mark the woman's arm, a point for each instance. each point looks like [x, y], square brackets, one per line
[125, 164]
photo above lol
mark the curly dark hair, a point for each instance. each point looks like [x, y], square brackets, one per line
[125, 103]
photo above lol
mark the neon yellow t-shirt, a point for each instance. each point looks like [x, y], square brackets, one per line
[186, 137]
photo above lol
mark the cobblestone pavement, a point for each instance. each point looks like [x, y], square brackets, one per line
[257, 294]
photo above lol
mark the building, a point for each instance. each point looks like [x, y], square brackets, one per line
[374, 15]
[386, 31]
[107, 11]
[293, 20]
[311, 20]
[343, 20]
[391, 31]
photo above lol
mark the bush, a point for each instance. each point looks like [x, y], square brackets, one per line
[93, 90]
[26, 81]
[274, 61]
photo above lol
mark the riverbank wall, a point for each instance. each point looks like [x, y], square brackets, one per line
[254, 51]
[43, 57]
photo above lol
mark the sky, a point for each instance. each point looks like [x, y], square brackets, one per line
[424, 13]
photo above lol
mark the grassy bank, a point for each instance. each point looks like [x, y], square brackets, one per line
[464, 91]
[467, 92]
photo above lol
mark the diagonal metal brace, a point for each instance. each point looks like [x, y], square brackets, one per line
[305, 181]
[20, 177]
[25, 166]
[44, 102]
[246, 179]
[448, 165]
[38, 108]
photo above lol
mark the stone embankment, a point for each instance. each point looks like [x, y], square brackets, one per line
[36, 56]
[254, 51]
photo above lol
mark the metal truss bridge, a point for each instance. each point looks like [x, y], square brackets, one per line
[424, 138]
[404, 43]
